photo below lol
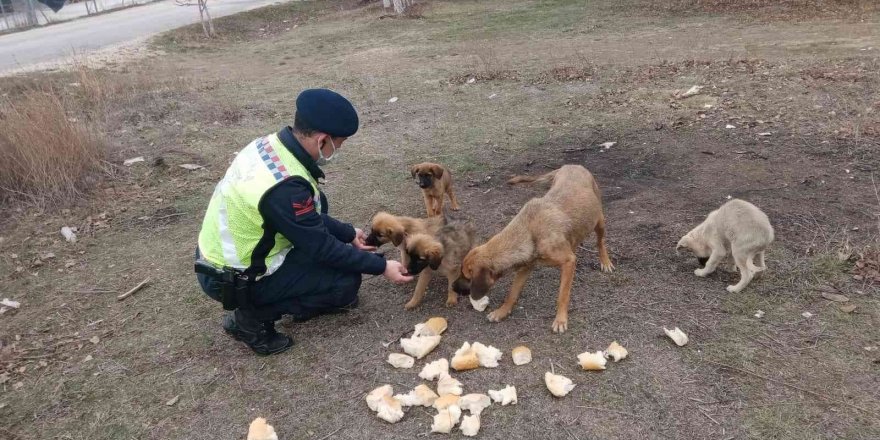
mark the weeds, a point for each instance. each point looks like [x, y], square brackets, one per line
[45, 154]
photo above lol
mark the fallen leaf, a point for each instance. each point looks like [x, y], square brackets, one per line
[393, 99]
[848, 308]
[759, 314]
[766, 133]
[133, 160]
[492, 96]
[95, 340]
[472, 80]
[87, 358]
[173, 400]
[608, 145]
[834, 297]
[729, 126]
[190, 166]
[807, 315]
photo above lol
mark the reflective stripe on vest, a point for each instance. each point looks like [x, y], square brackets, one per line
[233, 226]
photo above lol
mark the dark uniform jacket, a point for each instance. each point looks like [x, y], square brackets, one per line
[288, 208]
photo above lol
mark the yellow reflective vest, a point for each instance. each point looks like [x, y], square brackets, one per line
[233, 225]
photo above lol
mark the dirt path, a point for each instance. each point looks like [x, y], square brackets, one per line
[552, 81]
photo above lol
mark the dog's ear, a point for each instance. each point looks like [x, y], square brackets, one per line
[434, 257]
[437, 171]
[397, 237]
[413, 170]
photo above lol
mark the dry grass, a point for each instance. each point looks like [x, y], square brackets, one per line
[45, 155]
[845, 7]
[53, 128]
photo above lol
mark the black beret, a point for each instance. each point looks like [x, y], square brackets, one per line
[327, 111]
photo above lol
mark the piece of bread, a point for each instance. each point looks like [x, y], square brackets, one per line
[678, 336]
[470, 425]
[260, 430]
[446, 419]
[419, 346]
[421, 395]
[558, 385]
[465, 358]
[521, 355]
[398, 360]
[445, 400]
[389, 409]
[616, 351]
[505, 396]
[376, 396]
[489, 356]
[434, 326]
[447, 385]
[433, 370]
[480, 304]
[475, 403]
[592, 361]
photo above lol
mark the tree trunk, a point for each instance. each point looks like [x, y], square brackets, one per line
[207, 23]
[399, 6]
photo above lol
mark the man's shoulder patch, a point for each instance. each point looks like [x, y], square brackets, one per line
[304, 208]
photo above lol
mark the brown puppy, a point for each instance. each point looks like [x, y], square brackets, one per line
[547, 231]
[434, 180]
[440, 253]
[388, 228]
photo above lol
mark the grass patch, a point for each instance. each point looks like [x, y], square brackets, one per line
[782, 422]
[496, 20]
[250, 25]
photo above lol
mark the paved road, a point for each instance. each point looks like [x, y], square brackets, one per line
[59, 41]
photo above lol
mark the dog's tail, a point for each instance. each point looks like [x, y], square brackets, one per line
[546, 178]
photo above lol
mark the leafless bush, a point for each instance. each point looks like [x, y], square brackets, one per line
[45, 154]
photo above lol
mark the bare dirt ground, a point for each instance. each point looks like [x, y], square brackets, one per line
[553, 80]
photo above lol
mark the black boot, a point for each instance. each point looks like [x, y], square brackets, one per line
[261, 337]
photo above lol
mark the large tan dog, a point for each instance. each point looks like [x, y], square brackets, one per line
[547, 231]
[434, 180]
[737, 229]
[441, 253]
[388, 228]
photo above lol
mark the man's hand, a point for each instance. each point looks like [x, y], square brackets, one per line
[396, 272]
[359, 241]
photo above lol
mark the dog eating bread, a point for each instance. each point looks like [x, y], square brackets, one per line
[435, 181]
[546, 231]
[442, 253]
[388, 228]
[738, 230]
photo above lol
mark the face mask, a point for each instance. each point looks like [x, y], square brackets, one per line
[325, 160]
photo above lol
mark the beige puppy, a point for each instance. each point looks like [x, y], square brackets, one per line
[737, 229]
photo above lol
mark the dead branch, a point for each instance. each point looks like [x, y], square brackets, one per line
[133, 290]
